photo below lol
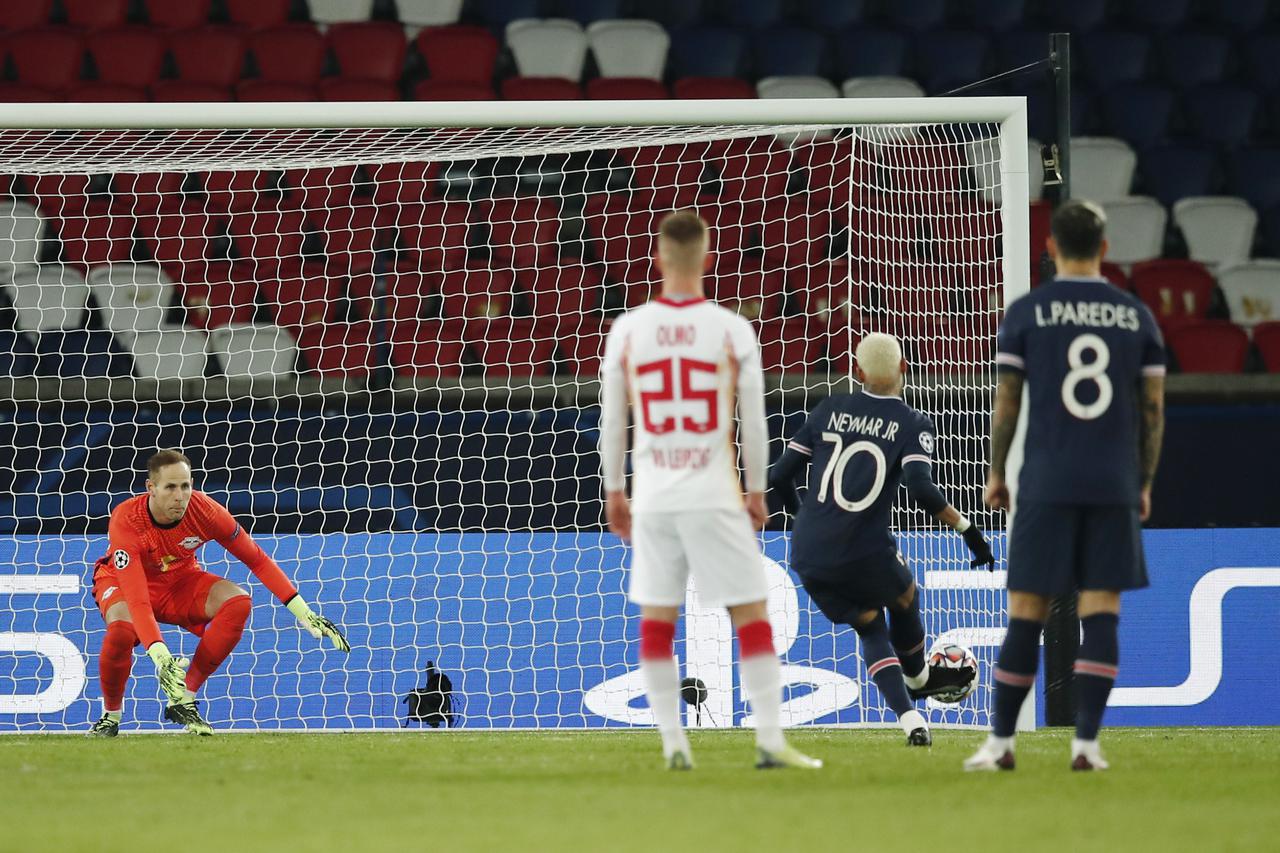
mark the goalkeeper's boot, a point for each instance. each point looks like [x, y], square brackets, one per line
[788, 756]
[920, 737]
[1085, 755]
[994, 754]
[942, 679]
[187, 715]
[107, 726]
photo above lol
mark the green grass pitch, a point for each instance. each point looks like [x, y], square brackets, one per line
[1168, 790]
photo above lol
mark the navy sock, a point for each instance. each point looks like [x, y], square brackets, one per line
[883, 665]
[907, 632]
[1096, 667]
[1015, 673]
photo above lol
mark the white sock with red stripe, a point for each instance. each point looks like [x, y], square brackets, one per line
[662, 682]
[762, 682]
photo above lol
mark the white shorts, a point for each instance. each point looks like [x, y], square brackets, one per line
[717, 545]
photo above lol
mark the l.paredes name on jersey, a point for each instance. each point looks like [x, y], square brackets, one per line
[1101, 315]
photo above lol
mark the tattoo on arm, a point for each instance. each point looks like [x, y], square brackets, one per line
[1004, 420]
[1151, 434]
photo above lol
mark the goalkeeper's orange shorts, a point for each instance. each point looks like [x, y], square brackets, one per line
[177, 599]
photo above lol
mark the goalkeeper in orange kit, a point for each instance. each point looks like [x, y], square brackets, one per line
[150, 575]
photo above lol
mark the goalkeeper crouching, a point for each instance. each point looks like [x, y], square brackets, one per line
[150, 575]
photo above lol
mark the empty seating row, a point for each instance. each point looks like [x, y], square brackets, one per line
[181, 14]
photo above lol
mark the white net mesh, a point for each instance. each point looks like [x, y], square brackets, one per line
[379, 346]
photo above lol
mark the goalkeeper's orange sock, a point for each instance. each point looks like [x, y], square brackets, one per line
[115, 662]
[220, 637]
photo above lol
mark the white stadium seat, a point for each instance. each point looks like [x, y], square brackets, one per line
[548, 47]
[984, 158]
[1218, 229]
[1101, 168]
[131, 297]
[253, 350]
[881, 87]
[1135, 229]
[1252, 290]
[796, 87]
[166, 354]
[48, 297]
[415, 14]
[340, 11]
[21, 230]
[629, 48]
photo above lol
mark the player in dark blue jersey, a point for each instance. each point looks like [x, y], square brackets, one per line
[862, 446]
[1093, 363]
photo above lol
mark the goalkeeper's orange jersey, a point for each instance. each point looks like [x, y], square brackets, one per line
[144, 554]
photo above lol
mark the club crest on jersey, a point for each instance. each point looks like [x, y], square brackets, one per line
[191, 543]
[926, 442]
[120, 558]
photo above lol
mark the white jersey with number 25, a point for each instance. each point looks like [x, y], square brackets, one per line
[681, 366]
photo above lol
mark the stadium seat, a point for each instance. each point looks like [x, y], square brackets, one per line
[510, 347]
[1101, 168]
[476, 291]
[540, 89]
[997, 16]
[297, 300]
[713, 88]
[21, 230]
[918, 15]
[428, 348]
[1241, 16]
[1259, 55]
[1078, 16]
[178, 236]
[339, 349]
[167, 353]
[253, 350]
[567, 293]
[129, 56]
[673, 171]
[626, 89]
[258, 14]
[1116, 274]
[1171, 173]
[623, 235]
[1135, 229]
[1112, 58]
[324, 187]
[415, 14]
[946, 59]
[47, 58]
[1194, 58]
[1148, 15]
[678, 15]
[523, 232]
[1221, 115]
[796, 87]
[325, 12]
[142, 194]
[1176, 291]
[1218, 230]
[581, 346]
[105, 93]
[353, 235]
[758, 14]
[465, 54]
[177, 14]
[267, 90]
[881, 87]
[752, 291]
[792, 233]
[288, 54]
[212, 55]
[1209, 346]
[1138, 114]
[552, 47]
[80, 354]
[1252, 290]
[863, 52]
[17, 356]
[268, 240]
[373, 50]
[452, 90]
[24, 16]
[747, 170]
[788, 51]
[96, 235]
[96, 14]
[832, 15]
[402, 183]
[788, 346]
[588, 11]
[225, 293]
[339, 89]
[498, 14]
[1254, 175]
[131, 297]
[180, 91]
[59, 195]
[983, 157]
[629, 48]
[48, 297]
[706, 52]
[1266, 337]
[17, 93]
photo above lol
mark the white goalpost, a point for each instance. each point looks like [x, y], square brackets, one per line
[375, 328]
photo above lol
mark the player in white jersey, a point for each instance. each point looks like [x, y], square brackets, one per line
[682, 363]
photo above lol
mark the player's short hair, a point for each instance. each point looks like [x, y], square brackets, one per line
[163, 458]
[880, 357]
[1078, 227]
[682, 241]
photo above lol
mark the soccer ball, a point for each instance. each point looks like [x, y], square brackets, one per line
[953, 656]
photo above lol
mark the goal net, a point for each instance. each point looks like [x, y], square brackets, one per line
[376, 331]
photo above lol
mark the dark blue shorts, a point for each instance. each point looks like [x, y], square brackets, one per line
[868, 583]
[1055, 549]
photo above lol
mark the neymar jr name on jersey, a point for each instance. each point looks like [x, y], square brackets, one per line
[883, 428]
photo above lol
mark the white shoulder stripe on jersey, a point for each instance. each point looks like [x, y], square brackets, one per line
[799, 448]
[1010, 359]
[917, 457]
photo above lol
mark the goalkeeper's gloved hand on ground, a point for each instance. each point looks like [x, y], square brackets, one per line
[982, 555]
[316, 624]
[171, 671]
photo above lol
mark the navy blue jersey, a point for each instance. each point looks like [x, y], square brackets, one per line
[857, 444]
[1083, 346]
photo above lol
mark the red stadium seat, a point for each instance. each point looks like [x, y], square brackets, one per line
[178, 237]
[105, 93]
[436, 233]
[626, 89]
[396, 295]
[272, 240]
[522, 231]
[354, 233]
[267, 90]
[48, 58]
[1176, 291]
[224, 294]
[337, 89]
[428, 348]
[96, 14]
[792, 234]
[752, 291]
[1266, 337]
[565, 294]
[1115, 274]
[1041, 211]
[298, 300]
[402, 183]
[179, 91]
[540, 89]
[339, 349]
[289, 54]
[822, 289]
[459, 53]
[24, 15]
[624, 238]
[1209, 346]
[232, 191]
[213, 55]
[674, 172]
[258, 14]
[16, 93]
[324, 187]
[964, 345]
[143, 194]
[510, 347]
[748, 169]
[177, 14]
[476, 291]
[789, 345]
[369, 50]
[130, 56]
[452, 90]
[713, 88]
[97, 235]
[583, 345]
[59, 195]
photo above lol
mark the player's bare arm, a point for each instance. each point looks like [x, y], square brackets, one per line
[1004, 422]
[1150, 436]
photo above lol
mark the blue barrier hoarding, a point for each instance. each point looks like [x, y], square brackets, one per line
[535, 631]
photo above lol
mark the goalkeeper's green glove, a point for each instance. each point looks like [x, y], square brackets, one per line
[171, 671]
[316, 624]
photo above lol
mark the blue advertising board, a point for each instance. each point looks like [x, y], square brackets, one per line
[535, 631]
